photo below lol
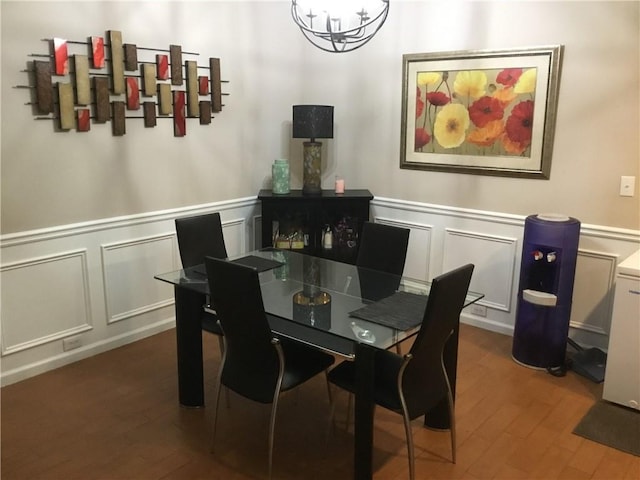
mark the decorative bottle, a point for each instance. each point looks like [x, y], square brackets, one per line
[280, 176]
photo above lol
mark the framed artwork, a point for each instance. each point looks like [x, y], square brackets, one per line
[487, 112]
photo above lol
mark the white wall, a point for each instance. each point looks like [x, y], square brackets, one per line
[51, 178]
[91, 214]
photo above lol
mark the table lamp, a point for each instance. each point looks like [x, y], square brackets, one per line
[312, 121]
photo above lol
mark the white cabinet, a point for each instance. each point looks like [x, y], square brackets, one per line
[622, 375]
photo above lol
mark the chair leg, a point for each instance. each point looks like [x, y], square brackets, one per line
[274, 403]
[215, 411]
[452, 421]
[349, 402]
[221, 344]
[409, 435]
[272, 427]
[407, 420]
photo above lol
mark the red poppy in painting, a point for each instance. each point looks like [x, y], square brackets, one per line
[437, 98]
[422, 137]
[509, 76]
[513, 148]
[419, 103]
[520, 123]
[485, 110]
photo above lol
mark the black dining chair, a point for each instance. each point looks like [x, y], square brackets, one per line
[412, 384]
[383, 248]
[200, 236]
[256, 364]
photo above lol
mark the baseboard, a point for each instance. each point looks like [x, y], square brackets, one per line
[66, 358]
[487, 324]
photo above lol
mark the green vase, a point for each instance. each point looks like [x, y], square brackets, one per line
[280, 176]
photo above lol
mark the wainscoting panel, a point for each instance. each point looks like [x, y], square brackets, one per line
[494, 260]
[129, 267]
[594, 282]
[44, 299]
[235, 234]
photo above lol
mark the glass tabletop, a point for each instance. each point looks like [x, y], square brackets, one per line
[307, 296]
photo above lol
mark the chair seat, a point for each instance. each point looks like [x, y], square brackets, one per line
[302, 363]
[385, 391]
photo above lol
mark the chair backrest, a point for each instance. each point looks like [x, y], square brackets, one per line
[424, 381]
[200, 236]
[250, 362]
[383, 248]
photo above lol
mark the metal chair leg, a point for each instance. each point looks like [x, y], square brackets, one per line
[452, 421]
[272, 427]
[408, 433]
[215, 411]
[221, 344]
[274, 403]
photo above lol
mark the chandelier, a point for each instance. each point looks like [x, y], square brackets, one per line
[339, 25]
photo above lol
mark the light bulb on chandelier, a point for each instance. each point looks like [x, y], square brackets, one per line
[339, 25]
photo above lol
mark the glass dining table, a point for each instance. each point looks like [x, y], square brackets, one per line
[341, 308]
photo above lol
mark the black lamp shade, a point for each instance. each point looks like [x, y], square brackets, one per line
[312, 121]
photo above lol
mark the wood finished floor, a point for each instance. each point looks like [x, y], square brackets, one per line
[116, 416]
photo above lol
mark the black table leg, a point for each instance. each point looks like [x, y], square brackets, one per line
[438, 416]
[189, 347]
[363, 449]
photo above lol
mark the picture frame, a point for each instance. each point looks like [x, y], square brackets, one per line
[484, 112]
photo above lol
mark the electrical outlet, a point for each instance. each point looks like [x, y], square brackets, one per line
[71, 343]
[627, 186]
[479, 310]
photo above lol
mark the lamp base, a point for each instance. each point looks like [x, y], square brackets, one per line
[312, 168]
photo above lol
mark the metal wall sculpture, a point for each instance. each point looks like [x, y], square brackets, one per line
[115, 81]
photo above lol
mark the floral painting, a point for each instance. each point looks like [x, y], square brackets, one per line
[484, 112]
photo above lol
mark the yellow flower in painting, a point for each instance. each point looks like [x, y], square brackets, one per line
[527, 82]
[470, 83]
[451, 125]
[504, 95]
[428, 78]
[485, 136]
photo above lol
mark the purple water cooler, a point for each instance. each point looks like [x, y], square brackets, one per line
[547, 272]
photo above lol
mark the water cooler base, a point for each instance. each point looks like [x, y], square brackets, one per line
[533, 367]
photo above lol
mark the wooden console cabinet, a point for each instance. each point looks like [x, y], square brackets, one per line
[300, 222]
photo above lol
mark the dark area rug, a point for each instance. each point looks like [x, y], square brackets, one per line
[612, 425]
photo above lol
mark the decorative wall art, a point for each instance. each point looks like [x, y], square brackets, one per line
[489, 112]
[116, 81]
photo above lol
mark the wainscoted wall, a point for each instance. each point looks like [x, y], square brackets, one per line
[445, 237]
[74, 291]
